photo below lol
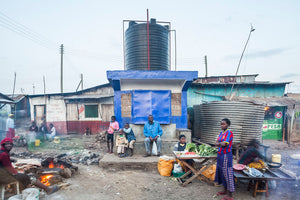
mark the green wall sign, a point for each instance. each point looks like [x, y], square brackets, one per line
[273, 122]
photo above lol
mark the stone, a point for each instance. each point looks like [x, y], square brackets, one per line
[66, 173]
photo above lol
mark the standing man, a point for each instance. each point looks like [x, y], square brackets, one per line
[10, 126]
[153, 133]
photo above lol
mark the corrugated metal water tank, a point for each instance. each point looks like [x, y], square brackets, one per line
[246, 121]
[136, 46]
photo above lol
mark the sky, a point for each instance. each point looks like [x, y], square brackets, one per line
[92, 33]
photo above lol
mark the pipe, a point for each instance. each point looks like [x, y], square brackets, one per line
[124, 45]
[175, 45]
[148, 47]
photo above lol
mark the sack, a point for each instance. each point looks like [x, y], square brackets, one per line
[177, 168]
[154, 149]
[209, 173]
[165, 167]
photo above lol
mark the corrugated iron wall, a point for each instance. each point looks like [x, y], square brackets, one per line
[246, 120]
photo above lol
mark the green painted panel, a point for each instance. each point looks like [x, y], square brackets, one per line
[91, 111]
[272, 125]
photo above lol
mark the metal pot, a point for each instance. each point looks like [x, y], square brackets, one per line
[274, 165]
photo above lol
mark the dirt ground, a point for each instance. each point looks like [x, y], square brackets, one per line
[93, 183]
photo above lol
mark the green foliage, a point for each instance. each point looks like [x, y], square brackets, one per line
[297, 114]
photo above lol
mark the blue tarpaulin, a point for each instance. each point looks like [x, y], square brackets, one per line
[156, 103]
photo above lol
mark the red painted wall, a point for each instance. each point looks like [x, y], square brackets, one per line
[80, 126]
[61, 127]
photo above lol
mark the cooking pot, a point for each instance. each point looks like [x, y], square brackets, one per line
[274, 165]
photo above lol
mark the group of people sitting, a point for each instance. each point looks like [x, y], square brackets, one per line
[126, 138]
[43, 130]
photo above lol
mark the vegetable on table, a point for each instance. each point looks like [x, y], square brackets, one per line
[202, 150]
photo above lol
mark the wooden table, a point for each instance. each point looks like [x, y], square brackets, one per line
[206, 162]
[269, 174]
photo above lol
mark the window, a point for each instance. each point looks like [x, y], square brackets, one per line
[156, 103]
[91, 111]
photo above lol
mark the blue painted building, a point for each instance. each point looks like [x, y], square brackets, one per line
[162, 94]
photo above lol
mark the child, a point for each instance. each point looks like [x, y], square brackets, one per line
[130, 137]
[180, 146]
[121, 143]
[87, 132]
[113, 126]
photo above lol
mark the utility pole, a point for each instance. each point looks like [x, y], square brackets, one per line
[238, 67]
[81, 81]
[14, 85]
[33, 88]
[44, 88]
[61, 67]
[205, 61]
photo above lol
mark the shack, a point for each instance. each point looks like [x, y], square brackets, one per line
[74, 112]
[245, 88]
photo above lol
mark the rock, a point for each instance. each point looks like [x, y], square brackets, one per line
[66, 173]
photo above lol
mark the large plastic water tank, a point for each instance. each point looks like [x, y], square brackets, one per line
[136, 49]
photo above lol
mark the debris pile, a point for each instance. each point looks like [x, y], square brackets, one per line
[85, 157]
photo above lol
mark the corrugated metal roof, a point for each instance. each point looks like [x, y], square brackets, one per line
[245, 83]
[72, 93]
[5, 99]
[94, 96]
[270, 101]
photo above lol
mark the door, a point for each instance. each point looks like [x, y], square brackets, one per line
[107, 110]
[39, 114]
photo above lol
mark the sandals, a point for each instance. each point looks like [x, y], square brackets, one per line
[54, 188]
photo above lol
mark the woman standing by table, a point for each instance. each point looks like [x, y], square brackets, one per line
[224, 171]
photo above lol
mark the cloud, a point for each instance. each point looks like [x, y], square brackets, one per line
[260, 54]
[289, 75]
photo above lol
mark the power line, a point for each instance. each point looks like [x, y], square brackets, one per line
[24, 35]
[24, 31]
[5, 17]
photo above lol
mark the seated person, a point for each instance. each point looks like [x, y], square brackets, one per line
[121, 143]
[52, 132]
[130, 137]
[9, 174]
[153, 133]
[251, 154]
[180, 146]
[87, 132]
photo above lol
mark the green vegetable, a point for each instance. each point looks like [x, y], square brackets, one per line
[205, 150]
[202, 150]
[191, 147]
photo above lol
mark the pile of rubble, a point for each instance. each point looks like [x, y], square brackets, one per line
[85, 156]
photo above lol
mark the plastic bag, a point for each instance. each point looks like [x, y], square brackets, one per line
[177, 168]
[154, 149]
[165, 167]
[30, 194]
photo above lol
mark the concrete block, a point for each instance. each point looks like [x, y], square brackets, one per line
[169, 131]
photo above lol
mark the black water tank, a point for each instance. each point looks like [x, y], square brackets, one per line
[136, 50]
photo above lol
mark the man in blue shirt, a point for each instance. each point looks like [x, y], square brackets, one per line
[153, 133]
